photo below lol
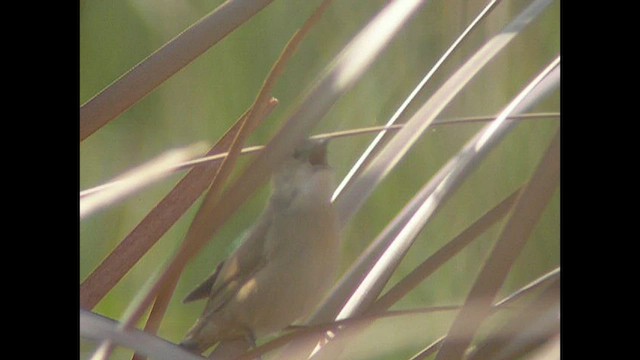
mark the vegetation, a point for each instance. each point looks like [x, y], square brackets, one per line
[451, 226]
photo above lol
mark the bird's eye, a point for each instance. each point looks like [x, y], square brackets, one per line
[300, 154]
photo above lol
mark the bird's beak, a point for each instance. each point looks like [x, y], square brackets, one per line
[318, 154]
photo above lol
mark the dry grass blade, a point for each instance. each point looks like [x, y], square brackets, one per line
[373, 283]
[311, 333]
[260, 105]
[440, 188]
[157, 313]
[137, 178]
[526, 212]
[152, 227]
[382, 137]
[532, 326]
[348, 204]
[446, 182]
[218, 157]
[93, 326]
[549, 351]
[197, 231]
[166, 61]
[343, 290]
[433, 263]
[356, 194]
[544, 280]
[473, 119]
[432, 195]
[163, 288]
[359, 300]
[340, 76]
[302, 336]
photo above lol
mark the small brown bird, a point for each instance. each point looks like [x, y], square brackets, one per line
[285, 264]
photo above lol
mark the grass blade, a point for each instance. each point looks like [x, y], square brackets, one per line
[456, 171]
[381, 137]
[311, 332]
[544, 280]
[351, 200]
[93, 326]
[152, 227]
[137, 178]
[357, 304]
[202, 227]
[163, 288]
[218, 157]
[348, 66]
[343, 290]
[532, 326]
[164, 62]
[550, 276]
[526, 212]
[432, 263]
[440, 188]
[549, 351]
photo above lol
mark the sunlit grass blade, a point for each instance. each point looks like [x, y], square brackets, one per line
[351, 201]
[352, 303]
[343, 290]
[93, 326]
[436, 191]
[429, 350]
[531, 203]
[443, 184]
[164, 62]
[442, 255]
[347, 67]
[137, 178]
[552, 275]
[380, 138]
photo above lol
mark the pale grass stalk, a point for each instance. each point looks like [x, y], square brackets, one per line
[136, 179]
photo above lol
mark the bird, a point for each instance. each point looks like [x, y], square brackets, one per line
[285, 265]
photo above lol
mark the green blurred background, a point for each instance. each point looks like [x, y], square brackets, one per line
[204, 99]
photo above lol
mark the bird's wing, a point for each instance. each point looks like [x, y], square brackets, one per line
[232, 273]
[204, 289]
